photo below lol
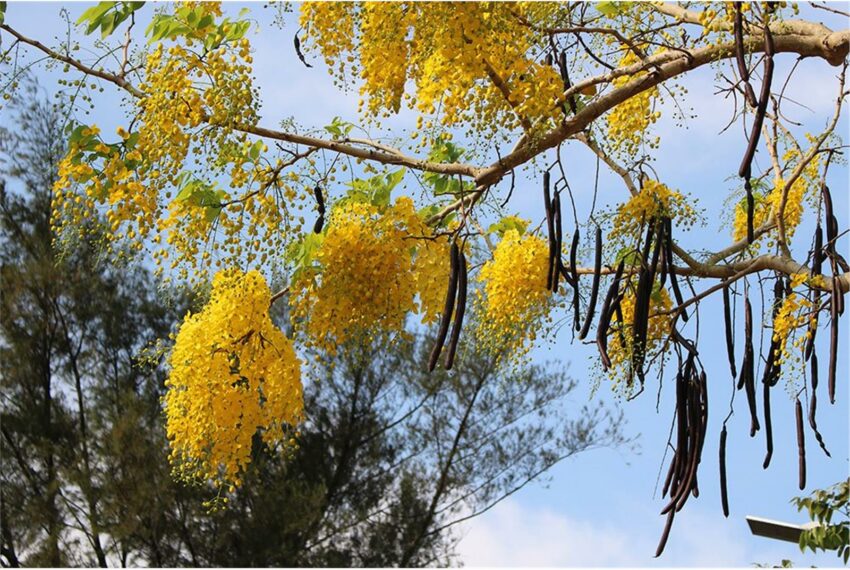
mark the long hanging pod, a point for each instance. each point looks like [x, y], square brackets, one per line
[755, 132]
[833, 340]
[550, 226]
[605, 316]
[559, 241]
[748, 367]
[447, 310]
[671, 268]
[813, 404]
[727, 321]
[724, 494]
[801, 444]
[459, 311]
[594, 289]
[574, 274]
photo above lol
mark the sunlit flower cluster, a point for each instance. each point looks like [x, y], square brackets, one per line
[233, 374]
[804, 187]
[629, 121]
[515, 300]
[470, 62]
[654, 201]
[370, 266]
[185, 181]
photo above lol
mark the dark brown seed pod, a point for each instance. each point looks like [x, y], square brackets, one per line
[320, 200]
[662, 265]
[669, 477]
[748, 368]
[565, 76]
[559, 241]
[768, 425]
[298, 52]
[743, 71]
[813, 404]
[831, 223]
[724, 494]
[643, 295]
[459, 312]
[319, 224]
[574, 274]
[755, 131]
[594, 288]
[605, 316]
[447, 310]
[666, 534]
[750, 208]
[817, 252]
[671, 268]
[703, 388]
[833, 340]
[727, 321]
[550, 227]
[801, 445]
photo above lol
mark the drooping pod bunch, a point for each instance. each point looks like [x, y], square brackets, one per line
[643, 297]
[691, 426]
[460, 309]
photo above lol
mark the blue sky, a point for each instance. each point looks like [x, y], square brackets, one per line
[599, 509]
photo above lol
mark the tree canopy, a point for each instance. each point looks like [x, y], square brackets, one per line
[198, 183]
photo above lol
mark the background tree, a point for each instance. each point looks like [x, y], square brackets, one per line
[209, 191]
[388, 461]
[829, 508]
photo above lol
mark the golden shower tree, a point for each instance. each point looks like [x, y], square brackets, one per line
[198, 183]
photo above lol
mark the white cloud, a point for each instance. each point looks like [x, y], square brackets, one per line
[516, 535]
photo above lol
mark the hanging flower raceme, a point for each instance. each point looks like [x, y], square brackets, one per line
[233, 374]
[515, 298]
[368, 269]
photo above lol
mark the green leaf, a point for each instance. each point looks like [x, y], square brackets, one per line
[508, 223]
[2, 11]
[609, 9]
[339, 128]
[94, 14]
[255, 150]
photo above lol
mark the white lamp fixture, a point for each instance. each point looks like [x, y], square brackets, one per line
[777, 530]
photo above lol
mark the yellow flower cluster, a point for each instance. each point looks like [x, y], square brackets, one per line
[372, 264]
[471, 62]
[793, 314]
[629, 121]
[184, 141]
[805, 186]
[233, 373]
[653, 201]
[620, 345]
[515, 298]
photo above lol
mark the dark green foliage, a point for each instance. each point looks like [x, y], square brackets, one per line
[389, 458]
